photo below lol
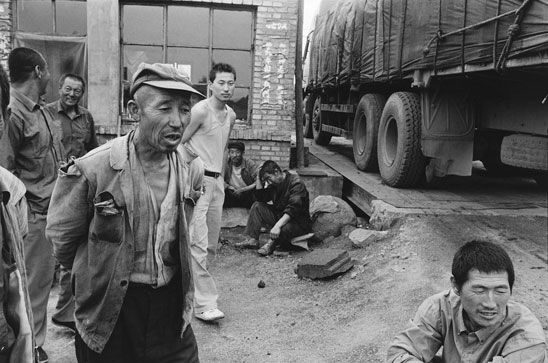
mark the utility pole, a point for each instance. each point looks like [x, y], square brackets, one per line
[299, 136]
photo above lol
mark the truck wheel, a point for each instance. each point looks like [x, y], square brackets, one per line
[365, 131]
[401, 162]
[320, 137]
[307, 122]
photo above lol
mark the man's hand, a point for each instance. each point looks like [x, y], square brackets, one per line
[275, 232]
[238, 192]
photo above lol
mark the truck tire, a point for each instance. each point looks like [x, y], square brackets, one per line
[320, 137]
[307, 122]
[366, 129]
[401, 162]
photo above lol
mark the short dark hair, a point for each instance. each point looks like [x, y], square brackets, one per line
[21, 63]
[269, 167]
[5, 91]
[73, 76]
[221, 68]
[484, 256]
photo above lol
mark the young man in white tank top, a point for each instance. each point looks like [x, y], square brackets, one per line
[207, 135]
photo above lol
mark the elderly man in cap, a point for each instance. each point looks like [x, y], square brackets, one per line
[119, 219]
[240, 175]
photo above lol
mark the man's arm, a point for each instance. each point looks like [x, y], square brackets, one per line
[68, 214]
[197, 116]
[232, 118]
[421, 338]
[10, 142]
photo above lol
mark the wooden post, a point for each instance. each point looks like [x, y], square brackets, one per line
[299, 136]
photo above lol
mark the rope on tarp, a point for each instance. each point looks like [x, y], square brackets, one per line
[513, 30]
[440, 35]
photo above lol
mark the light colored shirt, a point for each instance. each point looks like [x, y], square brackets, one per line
[236, 179]
[519, 337]
[156, 259]
[210, 141]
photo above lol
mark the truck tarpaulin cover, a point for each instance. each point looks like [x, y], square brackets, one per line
[360, 41]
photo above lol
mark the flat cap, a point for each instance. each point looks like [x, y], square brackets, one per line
[236, 145]
[161, 75]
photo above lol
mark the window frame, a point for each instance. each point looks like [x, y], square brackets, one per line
[211, 7]
[53, 3]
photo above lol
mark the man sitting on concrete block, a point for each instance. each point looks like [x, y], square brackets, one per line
[240, 175]
[288, 216]
[475, 321]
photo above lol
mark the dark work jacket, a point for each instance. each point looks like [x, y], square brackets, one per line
[290, 197]
[249, 171]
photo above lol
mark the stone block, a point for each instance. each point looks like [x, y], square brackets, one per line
[361, 237]
[324, 263]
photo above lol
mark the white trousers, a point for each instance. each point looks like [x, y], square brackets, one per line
[205, 228]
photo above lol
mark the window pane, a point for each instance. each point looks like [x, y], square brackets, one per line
[240, 60]
[239, 102]
[188, 26]
[232, 29]
[197, 58]
[136, 54]
[35, 16]
[71, 17]
[143, 24]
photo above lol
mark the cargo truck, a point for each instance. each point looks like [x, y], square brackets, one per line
[426, 87]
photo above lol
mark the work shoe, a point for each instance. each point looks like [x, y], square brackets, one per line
[41, 356]
[250, 243]
[267, 248]
[210, 315]
[66, 324]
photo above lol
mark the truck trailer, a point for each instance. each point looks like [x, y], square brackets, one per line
[426, 87]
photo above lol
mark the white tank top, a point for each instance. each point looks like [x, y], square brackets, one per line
[209, 142]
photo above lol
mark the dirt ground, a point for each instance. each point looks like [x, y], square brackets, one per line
[353, 317]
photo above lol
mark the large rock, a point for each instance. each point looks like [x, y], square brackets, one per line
[325, 262]
[329, 215]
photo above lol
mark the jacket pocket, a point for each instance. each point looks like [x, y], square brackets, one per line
[108, 220]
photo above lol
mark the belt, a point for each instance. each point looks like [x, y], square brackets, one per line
[211, 174]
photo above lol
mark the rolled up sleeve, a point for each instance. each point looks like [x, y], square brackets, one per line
[68, 215]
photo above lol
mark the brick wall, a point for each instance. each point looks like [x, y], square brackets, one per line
[5, 31]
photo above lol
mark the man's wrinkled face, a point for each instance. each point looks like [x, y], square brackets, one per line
[162, 115]
[223, 86]
[71, 92]
[236, 156]
[484, 297]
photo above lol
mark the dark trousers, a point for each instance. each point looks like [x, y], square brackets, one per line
[264, 215]
[148, 330]
[243, 200]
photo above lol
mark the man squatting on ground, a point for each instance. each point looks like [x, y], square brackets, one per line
[78, 138]
[119, 219]
[17, 340]
[207, 135]
[240, 176]
[474, 321]
[288, 215]
[34, 154]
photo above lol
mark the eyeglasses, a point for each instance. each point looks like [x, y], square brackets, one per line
[77, 91]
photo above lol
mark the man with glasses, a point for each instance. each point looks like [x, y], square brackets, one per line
[78, 138]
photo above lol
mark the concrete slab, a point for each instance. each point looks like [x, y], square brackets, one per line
[478, 194]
